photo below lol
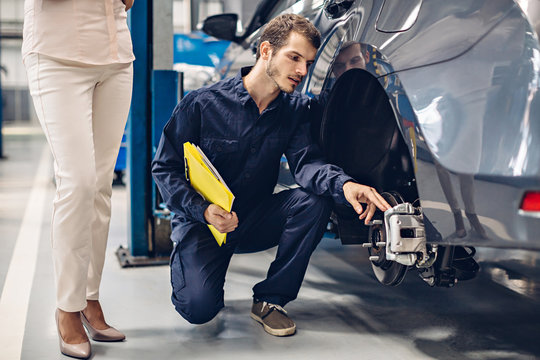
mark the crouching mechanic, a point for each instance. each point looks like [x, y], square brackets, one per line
[244, 125]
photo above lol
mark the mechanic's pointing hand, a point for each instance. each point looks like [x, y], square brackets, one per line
[221, 219]
[356, 193]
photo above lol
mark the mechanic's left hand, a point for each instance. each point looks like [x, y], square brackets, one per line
[356, 193]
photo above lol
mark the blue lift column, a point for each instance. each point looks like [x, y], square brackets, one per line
[155, 92]
[1, 104]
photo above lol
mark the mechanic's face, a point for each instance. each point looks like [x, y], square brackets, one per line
[349, 58]
[288, 66]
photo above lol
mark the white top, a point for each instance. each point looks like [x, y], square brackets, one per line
[88, 31]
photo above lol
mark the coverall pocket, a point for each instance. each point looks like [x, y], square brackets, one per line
[177, 272]
[216, 147]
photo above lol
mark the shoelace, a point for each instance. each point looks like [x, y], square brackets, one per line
[272, 307]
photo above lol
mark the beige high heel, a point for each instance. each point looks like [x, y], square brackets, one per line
[109, 334]
[80, 351]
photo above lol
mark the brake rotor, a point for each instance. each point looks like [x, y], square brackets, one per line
[386, 271]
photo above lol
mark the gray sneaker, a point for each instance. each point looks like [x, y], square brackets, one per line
[273, 318]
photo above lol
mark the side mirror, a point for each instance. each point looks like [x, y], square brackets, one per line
[221, 26]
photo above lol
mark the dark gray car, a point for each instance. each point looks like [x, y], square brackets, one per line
[434, 103]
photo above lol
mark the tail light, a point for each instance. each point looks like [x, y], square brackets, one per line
[531, 201]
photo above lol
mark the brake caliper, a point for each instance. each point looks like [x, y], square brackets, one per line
[405, 234]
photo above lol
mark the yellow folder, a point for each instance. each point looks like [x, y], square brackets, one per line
[206, 180]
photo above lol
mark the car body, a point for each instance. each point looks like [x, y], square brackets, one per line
[444, 113]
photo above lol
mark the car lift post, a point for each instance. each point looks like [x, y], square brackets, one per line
[1, 103]
[155, 89]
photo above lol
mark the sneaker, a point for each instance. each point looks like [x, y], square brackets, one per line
[273, 318]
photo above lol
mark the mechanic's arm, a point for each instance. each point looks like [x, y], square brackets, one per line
[168, 169]
[312, 172]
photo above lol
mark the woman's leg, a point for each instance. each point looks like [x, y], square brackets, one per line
[62, 93]
[111, 102]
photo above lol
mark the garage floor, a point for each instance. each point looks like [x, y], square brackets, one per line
[341, 312]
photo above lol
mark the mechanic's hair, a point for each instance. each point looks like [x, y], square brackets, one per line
[278, 30]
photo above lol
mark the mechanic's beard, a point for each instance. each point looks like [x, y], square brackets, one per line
[273, 73]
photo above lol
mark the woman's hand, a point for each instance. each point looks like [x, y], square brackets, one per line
[128, 3]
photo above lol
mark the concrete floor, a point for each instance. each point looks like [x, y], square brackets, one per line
[341, 311]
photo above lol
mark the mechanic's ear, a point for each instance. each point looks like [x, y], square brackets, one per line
[266, 50]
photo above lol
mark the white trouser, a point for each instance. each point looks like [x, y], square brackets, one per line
[83, 110]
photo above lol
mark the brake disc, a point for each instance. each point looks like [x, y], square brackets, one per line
[386, 271]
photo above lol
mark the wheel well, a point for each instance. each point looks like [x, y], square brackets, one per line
[359, 132]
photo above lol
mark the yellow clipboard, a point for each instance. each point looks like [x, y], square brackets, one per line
[206, 180]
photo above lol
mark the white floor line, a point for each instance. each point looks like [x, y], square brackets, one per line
[20, 276]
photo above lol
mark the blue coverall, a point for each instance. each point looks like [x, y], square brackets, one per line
[246, 148]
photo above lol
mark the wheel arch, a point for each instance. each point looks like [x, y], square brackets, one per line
[364, 132]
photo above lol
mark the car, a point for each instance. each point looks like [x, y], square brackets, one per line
[436, 104]
[195, 56]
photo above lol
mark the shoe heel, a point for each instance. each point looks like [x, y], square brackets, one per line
[79, 351]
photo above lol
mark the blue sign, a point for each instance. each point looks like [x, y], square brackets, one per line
[198, 48]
